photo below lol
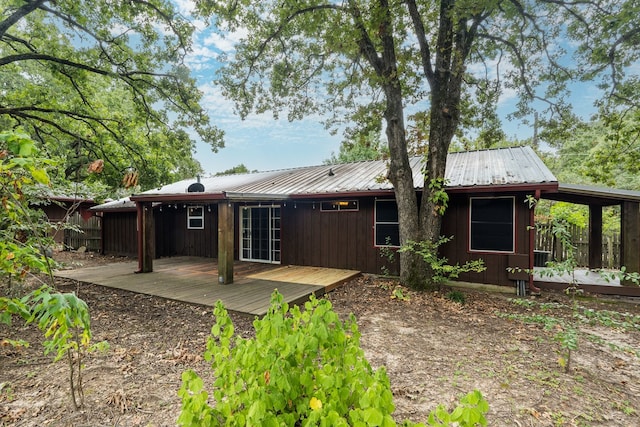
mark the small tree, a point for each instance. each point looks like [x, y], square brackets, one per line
[64, 318]
[303, 368]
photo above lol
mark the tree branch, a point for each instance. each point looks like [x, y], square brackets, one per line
[425, 51]
[20, 13]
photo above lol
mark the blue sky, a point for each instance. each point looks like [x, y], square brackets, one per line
[262, 143]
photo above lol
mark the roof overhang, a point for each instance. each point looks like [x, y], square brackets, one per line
[592, 195]
[544, 188]
[179, 197]
[344, 194]
[257, 197]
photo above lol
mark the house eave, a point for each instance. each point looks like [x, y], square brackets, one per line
[250, 197]
[343, 194]
[543, 187]
[182, 197]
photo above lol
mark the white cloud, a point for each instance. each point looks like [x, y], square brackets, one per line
[185, 7]
[226, 42]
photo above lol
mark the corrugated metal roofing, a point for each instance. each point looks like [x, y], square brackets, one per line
[502, 166]
[499, 167]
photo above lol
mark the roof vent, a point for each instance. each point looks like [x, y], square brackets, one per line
[331, 172]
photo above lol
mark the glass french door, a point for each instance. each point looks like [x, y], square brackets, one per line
[260, 234]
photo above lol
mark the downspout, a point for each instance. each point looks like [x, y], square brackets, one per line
[532, 241]
[140, 235]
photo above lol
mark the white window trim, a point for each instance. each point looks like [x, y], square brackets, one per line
[190, 217]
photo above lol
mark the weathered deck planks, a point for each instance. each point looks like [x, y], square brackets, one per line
[195, 280]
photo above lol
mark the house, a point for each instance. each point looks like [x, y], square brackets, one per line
[343, 216]
[63, 209]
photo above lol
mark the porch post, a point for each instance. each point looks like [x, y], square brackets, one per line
[225, 242]
[595, 236]
[146, 237]
[630, 230]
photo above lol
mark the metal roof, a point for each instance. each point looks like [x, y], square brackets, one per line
[486, 169]
[502, 166]
[593, 195]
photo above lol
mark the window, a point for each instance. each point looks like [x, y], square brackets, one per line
[492, 224]
[339, 205]
[387, 232]
[195, 218]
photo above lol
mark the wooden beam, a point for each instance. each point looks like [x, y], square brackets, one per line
[595, 236]
[630, 230]
[225, 242]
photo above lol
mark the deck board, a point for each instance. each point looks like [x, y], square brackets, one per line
[194, 280]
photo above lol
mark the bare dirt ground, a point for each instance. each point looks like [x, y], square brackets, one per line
[434, 350]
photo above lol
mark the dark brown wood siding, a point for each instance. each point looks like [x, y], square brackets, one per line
[119, 232]
[456, 224]
[174, 239]
[342, 239]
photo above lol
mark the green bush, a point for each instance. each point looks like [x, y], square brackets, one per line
[456, 296]
[303, 368]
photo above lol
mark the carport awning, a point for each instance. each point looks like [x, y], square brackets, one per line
[592, 195]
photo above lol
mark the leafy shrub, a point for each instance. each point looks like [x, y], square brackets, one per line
[439, 266]
[63, 318]
[456, 296]
[303, 368]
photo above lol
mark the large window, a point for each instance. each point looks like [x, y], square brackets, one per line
[492, 224]
[387, 232]
[195, 218]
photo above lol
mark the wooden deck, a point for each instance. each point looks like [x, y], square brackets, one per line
[195, 280]
[588, 281]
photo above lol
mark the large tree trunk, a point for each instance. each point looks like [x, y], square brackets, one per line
[412, 271]
[419, 223]
[444, 120]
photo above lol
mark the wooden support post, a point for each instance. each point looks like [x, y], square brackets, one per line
[630, 230]
[595, 236]
[146, 237]
[225, 242]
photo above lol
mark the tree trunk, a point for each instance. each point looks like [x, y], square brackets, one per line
[412, 272]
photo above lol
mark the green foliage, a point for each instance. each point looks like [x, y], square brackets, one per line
[567, 331]
[63, 318]
[389, 255]
[399, 294]
[241, 168]
[456, 296]
[470, 412]
[21, 228]
[365, 147]
[438, 195]
[104, 81]
[440, 270]
[303, 368]
[569, 213]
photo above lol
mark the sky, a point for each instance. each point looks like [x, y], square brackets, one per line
[262, 143]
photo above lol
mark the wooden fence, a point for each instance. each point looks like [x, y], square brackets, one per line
[87, 233]
[546, 242]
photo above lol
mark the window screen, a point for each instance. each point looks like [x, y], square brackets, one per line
[387, 232]
[492, 224]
